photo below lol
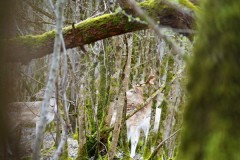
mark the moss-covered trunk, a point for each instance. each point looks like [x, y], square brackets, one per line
[93, 29]
[211, 129]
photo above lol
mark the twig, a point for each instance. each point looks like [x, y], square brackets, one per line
[40, 10]
[52, 6]
[160, 144]
[154, 26]
[32, 78]
[61, 145]
[144, 62]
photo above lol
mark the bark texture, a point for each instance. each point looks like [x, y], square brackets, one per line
[211, 129]
[25, 48]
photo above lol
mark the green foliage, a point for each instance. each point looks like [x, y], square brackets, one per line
[75, 136]
[91, 145]
[83, 155]
[147, 148]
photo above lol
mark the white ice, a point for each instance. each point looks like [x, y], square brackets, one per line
[134, 127]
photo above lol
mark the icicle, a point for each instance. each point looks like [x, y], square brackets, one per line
[157, 119]
[114, 115]
[158, 112]
[133, 134]
[139, 121]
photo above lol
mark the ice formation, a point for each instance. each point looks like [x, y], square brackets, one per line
[139, 121]
[158, 112]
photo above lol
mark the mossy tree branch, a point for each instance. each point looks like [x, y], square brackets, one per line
[25, 48]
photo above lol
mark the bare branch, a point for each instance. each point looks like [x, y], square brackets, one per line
[160, 144]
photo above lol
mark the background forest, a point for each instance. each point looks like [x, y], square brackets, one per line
[110, 61]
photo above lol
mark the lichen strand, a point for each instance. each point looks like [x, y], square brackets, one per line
[211, 122]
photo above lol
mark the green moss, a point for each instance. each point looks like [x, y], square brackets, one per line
[36, 40]
[170, 74]
[164, 112]
[75, 136]
[151, 6]
[212, 114]
[189, 5]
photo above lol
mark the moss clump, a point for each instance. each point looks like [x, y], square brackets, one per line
[75, 136]
[35, 41]
[151, 6]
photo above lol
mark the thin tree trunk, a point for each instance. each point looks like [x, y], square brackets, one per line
[51, 82]
[115, 82]
[121, 99]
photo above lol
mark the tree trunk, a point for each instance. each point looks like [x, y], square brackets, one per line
[121, 99]
[6, 29]
[211, 124]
